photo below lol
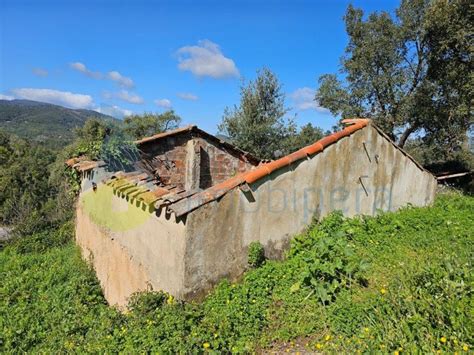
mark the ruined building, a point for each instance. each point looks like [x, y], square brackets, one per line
[183, 217]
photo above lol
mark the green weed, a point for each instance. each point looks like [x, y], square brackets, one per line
[396, 282]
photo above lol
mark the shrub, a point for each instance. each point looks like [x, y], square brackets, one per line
[144, 303]
[256, 254]
[39, 242]
[330, 261]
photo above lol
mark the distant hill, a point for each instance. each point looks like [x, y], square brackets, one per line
[45, 123]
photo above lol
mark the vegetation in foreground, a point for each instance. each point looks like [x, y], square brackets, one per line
[396, 282]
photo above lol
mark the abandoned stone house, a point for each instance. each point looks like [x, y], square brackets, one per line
[184, 216]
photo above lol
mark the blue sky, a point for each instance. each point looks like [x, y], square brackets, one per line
[134, 56]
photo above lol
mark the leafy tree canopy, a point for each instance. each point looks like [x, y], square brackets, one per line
[147, 124]
[23, 179]
[258, 125]
[410, 73]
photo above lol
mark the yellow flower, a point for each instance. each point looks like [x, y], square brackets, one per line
[396, 352]
[443, 340]
[170, 299]
[318, 346]
[383, 291]
[327, 337]
[465, 347]
[366, 330]
[206, 345]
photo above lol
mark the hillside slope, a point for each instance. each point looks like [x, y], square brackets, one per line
[41, 122]
[414, 294]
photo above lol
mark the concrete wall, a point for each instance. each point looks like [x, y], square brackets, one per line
[130, 248]
[358, 175]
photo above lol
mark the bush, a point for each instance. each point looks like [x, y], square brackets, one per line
[256, 254]
[40, 242]
[144, 303]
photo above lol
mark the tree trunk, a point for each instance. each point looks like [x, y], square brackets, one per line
[405, 135]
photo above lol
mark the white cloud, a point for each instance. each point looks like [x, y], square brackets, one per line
[129, 97]
[113, 75]
[114, 111]
[64, 98]
[6, 97]
[83, 69]
[206, 59]
[40, 72]
[120, 79]
[304, 99]
[187, 96]
[107, 95]
[165, 103]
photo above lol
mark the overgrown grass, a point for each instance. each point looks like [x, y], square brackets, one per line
[397, 282]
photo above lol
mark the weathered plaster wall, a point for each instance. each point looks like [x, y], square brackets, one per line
[110, 260]
[130, 248]
[134, 249]
[358, 175]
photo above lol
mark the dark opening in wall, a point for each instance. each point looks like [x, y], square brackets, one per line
[205, 177]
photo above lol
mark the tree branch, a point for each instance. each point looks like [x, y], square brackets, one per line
[405, 135]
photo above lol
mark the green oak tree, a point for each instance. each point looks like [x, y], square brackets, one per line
[258, 124]
[410, 72]
[147, 124]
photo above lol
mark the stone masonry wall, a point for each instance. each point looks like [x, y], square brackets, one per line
[215, 163]
[168, 158]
